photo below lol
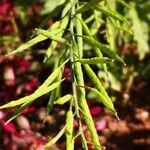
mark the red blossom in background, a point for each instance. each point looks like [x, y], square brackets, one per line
[95, 110]
[15, 83]
[10, 128]
[31, 85]
[6, 16]
[4, 7]
[24, 65]
[67, 74]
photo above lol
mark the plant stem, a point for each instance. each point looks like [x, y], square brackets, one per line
[74, 86]
[78, 75]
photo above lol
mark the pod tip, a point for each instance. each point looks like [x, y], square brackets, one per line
[117, 116]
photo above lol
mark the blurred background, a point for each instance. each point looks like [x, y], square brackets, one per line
[129, 86]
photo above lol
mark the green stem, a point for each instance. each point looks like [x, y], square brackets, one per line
[78, 50]
[74, 88]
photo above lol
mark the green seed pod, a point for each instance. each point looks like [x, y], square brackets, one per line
[85, 28]
[102, 98]
[103, 48]
[96, 82]
[55, 139]
[96, 50]
[69, 131]
[31, 97]
[63, 99]
[94, 60]
[53, 76]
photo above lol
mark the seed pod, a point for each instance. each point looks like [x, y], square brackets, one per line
[18, 111]
[96, 50]
[52, 77]
[102, 98]
[85, 28]
[66, 9]
[107, 103]
[69, 131]
[94, 60]
[31, 97]
[63, 99]
[55, 139]
[103, 48]
[96, 82]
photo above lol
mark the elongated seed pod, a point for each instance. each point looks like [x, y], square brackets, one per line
[55, 139]
[81, 93]
[63, 99]
[31, 97]
[18, 111]
[53, 76]
[96, 50]
[94, 60]
[103, 48]
[85, 28]
[102, 98]
[69, 131]
[66, 9]
[96, 82]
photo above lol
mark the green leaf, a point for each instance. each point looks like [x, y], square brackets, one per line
[50, 50]
[53, 76]
[140, 32]
[54, 93]
[18, 102]
[54, 30]
[50, 6]
[87, 6]
[124, 3]
[51, 36]
[110, 13]
[63, 99]
[27, 45]
[50, 79]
